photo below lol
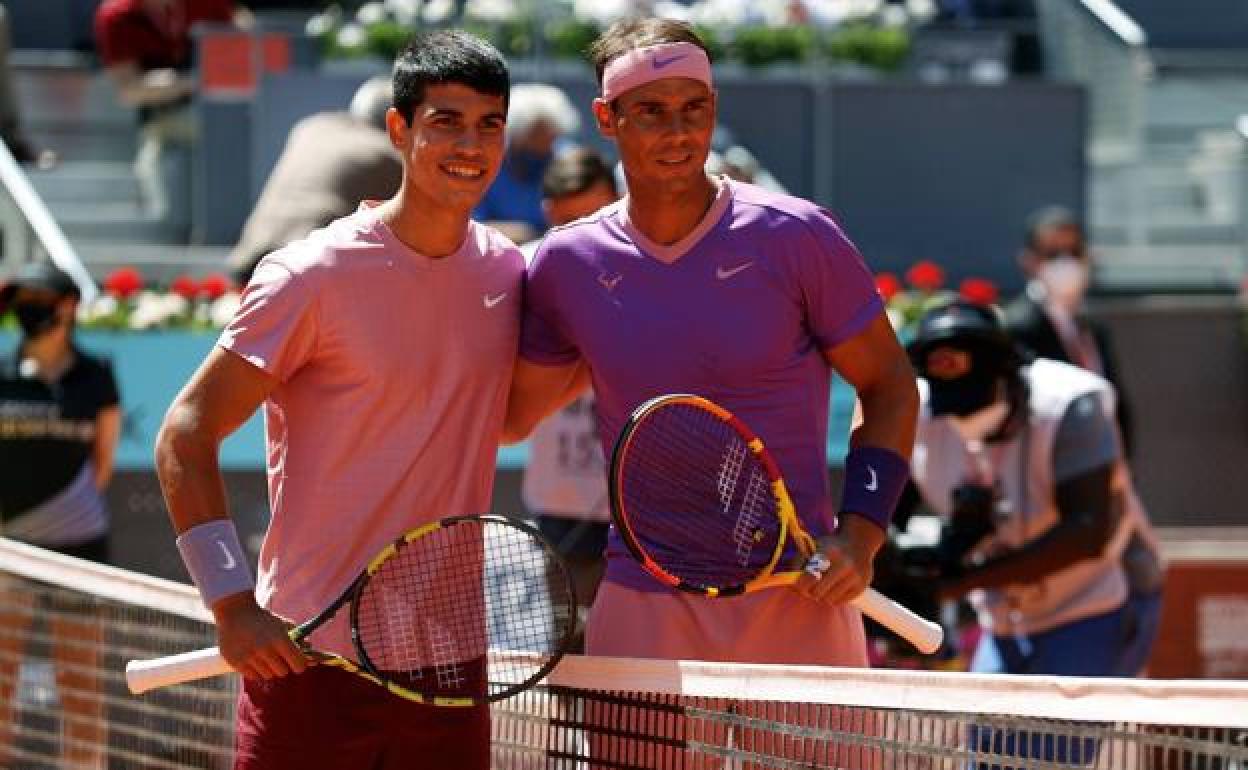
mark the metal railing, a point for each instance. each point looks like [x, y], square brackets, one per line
[28, 232]
[1092, 42]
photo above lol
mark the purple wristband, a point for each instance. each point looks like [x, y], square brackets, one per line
[874, 480]
[215, 559]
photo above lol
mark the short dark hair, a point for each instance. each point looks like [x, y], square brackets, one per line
[574, 172]
[1049, 218]
[447, 56]
[629, 34]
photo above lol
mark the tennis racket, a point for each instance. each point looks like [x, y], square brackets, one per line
[459, 612]
[700, 503]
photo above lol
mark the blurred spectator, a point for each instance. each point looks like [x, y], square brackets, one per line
[736, 162]
[540, 118]
[1021, 460]
[565, 479]
[59, 424]
[1048, 319]
[146, 48]
[332, 161]
[11, 132]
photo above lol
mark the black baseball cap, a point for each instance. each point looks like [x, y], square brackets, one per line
[37, 275]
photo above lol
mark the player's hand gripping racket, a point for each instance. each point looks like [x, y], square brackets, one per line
[463, 611]
[701, 504]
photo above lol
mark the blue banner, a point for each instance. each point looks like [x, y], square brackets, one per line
[152, 366]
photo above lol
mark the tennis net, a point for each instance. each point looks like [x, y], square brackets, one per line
[68, 627]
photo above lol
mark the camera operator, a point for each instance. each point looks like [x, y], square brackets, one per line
[1022, 462]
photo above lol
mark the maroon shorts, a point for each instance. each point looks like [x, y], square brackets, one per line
[327, 718]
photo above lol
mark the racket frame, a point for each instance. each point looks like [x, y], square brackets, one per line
[368, 670]
[143, 675]
[785, 510]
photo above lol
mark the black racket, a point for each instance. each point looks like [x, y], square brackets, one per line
[459, 612]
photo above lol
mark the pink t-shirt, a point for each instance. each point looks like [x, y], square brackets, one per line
[394, 370]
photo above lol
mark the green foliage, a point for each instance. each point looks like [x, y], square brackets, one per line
[760, 46]
[566, 37]
[514, 37]
[387, 39]
[882, 48]
[570, 38]
[713, 39]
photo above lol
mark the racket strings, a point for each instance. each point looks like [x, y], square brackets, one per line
[697, 500]
[471, 609]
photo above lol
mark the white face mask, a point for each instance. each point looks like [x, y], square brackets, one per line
[1065, 278]
[977, 426]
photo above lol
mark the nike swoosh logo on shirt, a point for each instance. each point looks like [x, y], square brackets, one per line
[229, 562]
[661, 63]
[489, 301]
[724, 273]
[874, 483]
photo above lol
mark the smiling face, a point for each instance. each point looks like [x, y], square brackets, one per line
[454, 146]
[662, 131]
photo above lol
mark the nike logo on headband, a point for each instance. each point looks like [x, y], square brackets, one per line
[661, 63]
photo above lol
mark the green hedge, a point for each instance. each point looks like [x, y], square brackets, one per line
[876, 47]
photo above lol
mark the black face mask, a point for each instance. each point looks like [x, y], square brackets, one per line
[35, 318]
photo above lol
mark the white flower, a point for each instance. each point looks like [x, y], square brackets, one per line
[320, 25]
[351, 36]
[604, 11]
[225, 307]
[152, 310]
[438, 11]
[371, 13]
[405, 12]
[103, 306]
[490, 10]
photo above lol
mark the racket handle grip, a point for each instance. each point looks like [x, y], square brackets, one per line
[144, 675]
[925, 635]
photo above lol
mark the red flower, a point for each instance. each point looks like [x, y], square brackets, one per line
[213, 286]
[123, 282]
[926, 276]
[184, 286]
[981, 291]
[888, 285]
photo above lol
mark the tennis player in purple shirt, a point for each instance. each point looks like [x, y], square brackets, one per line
[704, 285]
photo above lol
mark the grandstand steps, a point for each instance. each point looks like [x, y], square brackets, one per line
[70, 106]
[159, 263]
[74, 181]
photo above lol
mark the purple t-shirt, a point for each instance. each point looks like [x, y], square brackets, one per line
[738, 312]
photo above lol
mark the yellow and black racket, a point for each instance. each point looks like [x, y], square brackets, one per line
[701, 504]
[459, 612]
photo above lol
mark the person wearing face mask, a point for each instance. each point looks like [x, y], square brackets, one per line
[59, 424]
[60, 420]
[539, 122]
[1036, 439]
[1049, 319]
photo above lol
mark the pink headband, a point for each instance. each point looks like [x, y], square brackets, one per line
[643, 65]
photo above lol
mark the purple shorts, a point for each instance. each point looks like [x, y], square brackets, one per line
[327, 718]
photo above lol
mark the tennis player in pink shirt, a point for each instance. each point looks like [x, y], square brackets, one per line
[699, 284]
[381, 348]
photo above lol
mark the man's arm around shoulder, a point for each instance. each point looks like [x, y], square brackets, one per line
[538, 390]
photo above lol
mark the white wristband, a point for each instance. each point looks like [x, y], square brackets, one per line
[215, 559]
